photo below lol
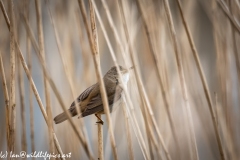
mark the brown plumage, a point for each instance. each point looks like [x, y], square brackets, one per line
[90, 101]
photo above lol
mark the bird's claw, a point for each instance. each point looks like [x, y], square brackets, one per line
[100, 122]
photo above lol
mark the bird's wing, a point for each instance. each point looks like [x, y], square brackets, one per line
[95, 104]
[82, 96]
[93, 108]
[97, 100]
[85, 93]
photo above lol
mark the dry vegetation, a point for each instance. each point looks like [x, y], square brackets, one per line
[182, 101]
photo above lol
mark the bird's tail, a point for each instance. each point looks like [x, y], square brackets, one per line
[60, 118]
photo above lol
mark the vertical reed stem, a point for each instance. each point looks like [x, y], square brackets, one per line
[96, 59]
[12, 80]
[4, 83]
[160, 79]
[129, 139]
[100, 140]
[22, 104]
[46, 85]
[29, 63]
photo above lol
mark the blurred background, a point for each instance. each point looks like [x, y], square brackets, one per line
[69, 60]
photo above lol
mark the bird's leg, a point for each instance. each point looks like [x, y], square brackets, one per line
[100, 120]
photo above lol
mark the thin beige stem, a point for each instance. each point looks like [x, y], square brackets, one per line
[100, 140]
[5, 91]
[5, 15]
[139, 82]
[226, 11]
[22, 103]
[96, 59]
[46, 85]
[129, 139]
[29, 63]
[95, 38]
[12, 80]
[235, 49]
[31, 108]
[203, 80]
[216, 108]
[132, 113]
[182, 81]
[160, 80]
[117, 37]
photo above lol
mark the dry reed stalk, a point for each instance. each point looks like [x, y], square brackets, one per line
[5, 16]
[96, 47]
[55, 90]
[132, 114]
[125, 60]
[31, 81]
[129, 142]
[129, 139]
[22, 104]
[228, 141]
[5, 91]
[224, 68]
[160, 80]
[95, 53]
[147, 126]
[70, 81]
[96, 59]
[203, 80]
[139, 82]
[216, 108]
[182, 80]
[29, 63]
[235, 50]
[46, 85]
[100, 140]
[221, 62]
[12, 80]
[226, 11]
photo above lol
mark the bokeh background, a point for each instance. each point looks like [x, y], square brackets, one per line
[216, 40]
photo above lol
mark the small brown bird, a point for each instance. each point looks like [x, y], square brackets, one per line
[90, 101]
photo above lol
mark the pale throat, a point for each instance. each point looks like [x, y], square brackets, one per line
[125, 78]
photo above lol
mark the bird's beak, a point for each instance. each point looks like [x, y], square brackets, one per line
[126, 70]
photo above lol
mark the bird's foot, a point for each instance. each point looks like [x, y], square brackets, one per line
[100, 122]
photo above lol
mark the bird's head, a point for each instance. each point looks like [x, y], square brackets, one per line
[114, 73]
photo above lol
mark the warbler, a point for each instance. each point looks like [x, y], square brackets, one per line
[90, 100]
